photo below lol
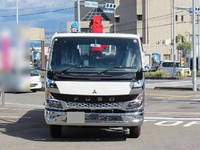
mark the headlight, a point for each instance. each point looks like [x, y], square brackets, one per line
[134, 104]
[54, 104]
[51, 102]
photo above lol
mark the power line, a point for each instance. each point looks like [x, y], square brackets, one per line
[39, 13]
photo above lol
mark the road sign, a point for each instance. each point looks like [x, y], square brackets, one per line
[197, 11]
[74, 27]
[111, 11]
[91, 4]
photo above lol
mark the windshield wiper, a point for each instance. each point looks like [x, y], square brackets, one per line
[116, 67]
[74, 67]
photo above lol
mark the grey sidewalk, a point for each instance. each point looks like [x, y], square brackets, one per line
[172, 95]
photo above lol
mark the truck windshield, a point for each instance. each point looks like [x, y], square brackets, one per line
[95, 54]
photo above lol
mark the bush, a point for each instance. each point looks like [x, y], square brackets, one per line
[42, 74]
[179, 74]
[157, 74]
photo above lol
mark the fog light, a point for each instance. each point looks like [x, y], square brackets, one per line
[54, 104]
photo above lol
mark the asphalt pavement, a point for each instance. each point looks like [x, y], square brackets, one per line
[180, 84]
[172, 121]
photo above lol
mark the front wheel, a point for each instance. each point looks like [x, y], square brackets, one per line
[55, 131]
[134, 132]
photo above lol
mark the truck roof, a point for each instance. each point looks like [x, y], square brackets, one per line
[109, 35]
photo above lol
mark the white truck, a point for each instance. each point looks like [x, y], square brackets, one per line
[95, 80]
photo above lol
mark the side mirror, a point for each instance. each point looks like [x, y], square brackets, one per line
[49, 74]
[139, 75]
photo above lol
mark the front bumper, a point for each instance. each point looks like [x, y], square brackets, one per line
[96, 119]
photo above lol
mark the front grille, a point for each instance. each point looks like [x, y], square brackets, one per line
[94, 99]
[94, 106]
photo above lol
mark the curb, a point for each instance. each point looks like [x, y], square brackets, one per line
[175, 88]
[166, 78]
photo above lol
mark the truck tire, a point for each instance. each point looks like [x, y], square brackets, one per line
[55, 131]
[134, 132]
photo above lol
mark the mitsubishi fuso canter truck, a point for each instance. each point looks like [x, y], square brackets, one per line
[95, 79]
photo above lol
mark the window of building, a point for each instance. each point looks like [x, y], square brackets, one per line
[141, 39]
[139, 17]
[166, 56]
[176, 17]
[117, 19]
[182, 18]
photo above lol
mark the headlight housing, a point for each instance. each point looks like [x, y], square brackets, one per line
[136, 103]
[52, 103]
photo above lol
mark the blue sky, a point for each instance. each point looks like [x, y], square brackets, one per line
[49, 14]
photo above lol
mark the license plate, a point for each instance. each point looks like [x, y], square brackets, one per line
[75, 117]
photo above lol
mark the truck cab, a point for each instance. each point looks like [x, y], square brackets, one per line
[95, 80]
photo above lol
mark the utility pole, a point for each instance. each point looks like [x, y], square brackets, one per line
[193, 12]
[17, 12]
[79, 17]
[174, 38]
[194, 71]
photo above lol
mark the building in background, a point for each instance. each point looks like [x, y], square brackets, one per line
[152, 21]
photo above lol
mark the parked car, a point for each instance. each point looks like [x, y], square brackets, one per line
[35, 80]
[17, 80]
[168, 66]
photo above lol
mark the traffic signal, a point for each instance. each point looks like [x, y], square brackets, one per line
[110, 6]
[182, 62]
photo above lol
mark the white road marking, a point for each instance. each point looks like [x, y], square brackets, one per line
[168, 123]
[194, 100]
[25, 105]
[14, 117]
[192, 123]
[169, 113]
[176, 119]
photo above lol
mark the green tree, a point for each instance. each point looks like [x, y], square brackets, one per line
[183, 44]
